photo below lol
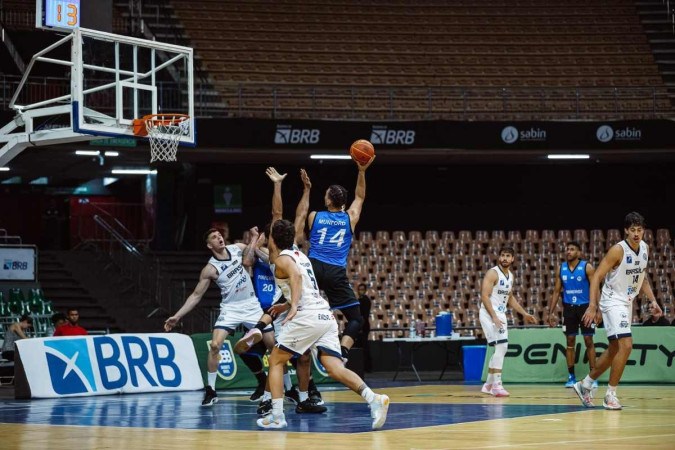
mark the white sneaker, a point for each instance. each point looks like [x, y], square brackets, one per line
[611, 402]
[272, 422]
[486, 389]
[252, 337]
[378, 411]
[499, 391]
[585, 395]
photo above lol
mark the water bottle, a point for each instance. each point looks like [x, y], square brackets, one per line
[413, 332]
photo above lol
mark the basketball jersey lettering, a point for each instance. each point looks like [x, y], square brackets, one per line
[623, 284]
[330, 237]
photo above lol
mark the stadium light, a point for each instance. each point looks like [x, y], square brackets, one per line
[87, 152]
[569, 156]
[319, 156]
[134, 172]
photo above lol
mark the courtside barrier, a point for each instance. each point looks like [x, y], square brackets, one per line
[538, 356]
[100, 365]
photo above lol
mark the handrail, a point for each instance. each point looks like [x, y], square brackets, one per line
[118, 237]
[301, 101]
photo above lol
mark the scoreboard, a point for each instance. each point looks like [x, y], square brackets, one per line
[57, 14]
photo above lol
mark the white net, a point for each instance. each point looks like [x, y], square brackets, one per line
[164, 132]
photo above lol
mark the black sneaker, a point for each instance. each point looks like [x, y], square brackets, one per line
[264, 408]
[210, 396]
[292, 395]
[310, 407]
[314, 394]
[258, 393]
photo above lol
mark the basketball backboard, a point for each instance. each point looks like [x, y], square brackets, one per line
[114, 79]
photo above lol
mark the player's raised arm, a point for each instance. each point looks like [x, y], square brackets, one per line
[302, 209]
[355, 208]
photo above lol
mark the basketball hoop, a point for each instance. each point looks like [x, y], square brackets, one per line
[164, 132]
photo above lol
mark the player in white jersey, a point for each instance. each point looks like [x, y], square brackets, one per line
[310, 324]
[307, 398]
[239, 305]
[496, 294]
[624, 270]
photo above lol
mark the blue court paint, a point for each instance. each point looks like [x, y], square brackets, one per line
[183, 410]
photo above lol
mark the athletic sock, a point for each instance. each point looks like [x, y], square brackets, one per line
[588, 382]
[260, 325]
[570, 369]
[611, 390]
[277, 406]
[490, 378]
[368, 395]
[497, 378]
[211, 377]
[303, 396]
[267, 395]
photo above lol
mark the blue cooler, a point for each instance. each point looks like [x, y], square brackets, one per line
[474, 359]
[444, 324]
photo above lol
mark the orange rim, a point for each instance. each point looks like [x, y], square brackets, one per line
[140, 125]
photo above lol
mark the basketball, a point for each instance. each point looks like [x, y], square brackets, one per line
[362, 151]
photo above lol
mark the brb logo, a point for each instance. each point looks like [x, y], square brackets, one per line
[73, 364]
[227, 366]
[286, 134]
[8, 264]
[381, 134]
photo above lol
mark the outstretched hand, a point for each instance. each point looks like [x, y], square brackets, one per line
[305, 179]
[275, 176]
[363, 167]
[170, 323]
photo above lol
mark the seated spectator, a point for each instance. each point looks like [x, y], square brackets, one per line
[650, 321]
[57, 320]
[15, 332]
[71, 327]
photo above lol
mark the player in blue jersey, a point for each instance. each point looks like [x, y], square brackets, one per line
[573, 280]
[330, 237]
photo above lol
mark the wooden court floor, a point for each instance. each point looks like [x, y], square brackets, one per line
[438, 416]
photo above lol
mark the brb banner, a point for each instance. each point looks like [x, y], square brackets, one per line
[17, 263]
[538, 355]
[110, 364]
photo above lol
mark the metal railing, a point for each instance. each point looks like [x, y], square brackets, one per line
[382, 103]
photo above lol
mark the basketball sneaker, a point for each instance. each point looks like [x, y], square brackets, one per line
[571, 380]
[314, 393]
[499, 391]
[378, 411]
[611, 402]
[258, 393]
[252, 337]
[272, 422]
[585, 395]
[264, 408]
[486, 389]
[308, 406]
[210, 397]
[292, 395]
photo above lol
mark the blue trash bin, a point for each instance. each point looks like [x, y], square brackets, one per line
[474, 359]
[444, 324]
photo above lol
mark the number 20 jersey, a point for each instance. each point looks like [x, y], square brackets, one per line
[623, 284]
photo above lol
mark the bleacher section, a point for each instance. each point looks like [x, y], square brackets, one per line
[520, 44]
[418, 274]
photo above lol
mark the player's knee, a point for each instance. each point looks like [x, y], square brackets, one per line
[354, 326]
[588, 340]
[214, 347]
[497, 360]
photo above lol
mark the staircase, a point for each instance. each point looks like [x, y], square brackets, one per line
[658, 24]
[65, 289]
